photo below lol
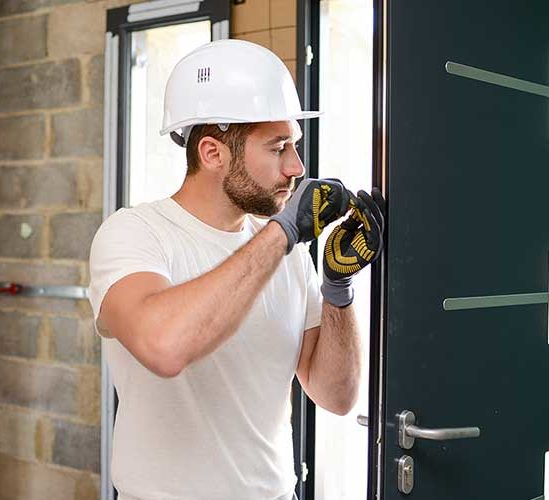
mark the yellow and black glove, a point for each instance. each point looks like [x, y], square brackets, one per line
[315, 204]
[353, 245]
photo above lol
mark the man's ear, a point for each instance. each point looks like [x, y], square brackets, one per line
[213, 154]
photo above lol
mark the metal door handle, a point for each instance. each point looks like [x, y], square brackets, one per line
[362, 420]
[408, 431]
[442, 434]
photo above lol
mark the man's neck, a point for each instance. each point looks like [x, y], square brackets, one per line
[208, 202]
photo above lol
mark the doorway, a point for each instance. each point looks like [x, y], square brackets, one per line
[345, 152]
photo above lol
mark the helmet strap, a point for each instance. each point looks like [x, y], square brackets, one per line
[177, 139]
[182, 140]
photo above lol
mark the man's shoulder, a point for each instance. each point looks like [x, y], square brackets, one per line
[126, 232]
[129, 223]
[143, 212]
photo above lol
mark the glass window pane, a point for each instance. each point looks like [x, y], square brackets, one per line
[157, 166]
[346, 65]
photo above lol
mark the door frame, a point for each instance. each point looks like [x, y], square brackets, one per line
[376, 404]
[307, 76]
[308, 34]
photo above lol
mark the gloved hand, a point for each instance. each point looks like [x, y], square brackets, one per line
[351, 246]
[315, 204]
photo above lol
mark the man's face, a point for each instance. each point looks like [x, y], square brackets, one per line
[261, 182]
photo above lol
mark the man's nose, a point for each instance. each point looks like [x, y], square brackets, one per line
[294, 166]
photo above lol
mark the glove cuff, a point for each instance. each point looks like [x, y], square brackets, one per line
[291, 231]
[339, 293]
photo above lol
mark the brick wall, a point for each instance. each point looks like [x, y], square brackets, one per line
[51, 129]
[271, 23]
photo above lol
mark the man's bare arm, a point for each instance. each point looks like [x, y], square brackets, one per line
[176, 325]
[330, 362]
[330, 366]
[169, 327]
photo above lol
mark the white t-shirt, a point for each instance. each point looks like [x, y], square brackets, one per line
[221, 429]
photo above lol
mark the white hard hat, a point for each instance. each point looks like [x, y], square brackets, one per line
[229, 81]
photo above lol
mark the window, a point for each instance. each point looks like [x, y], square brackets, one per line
[157, 166]
[345, 152]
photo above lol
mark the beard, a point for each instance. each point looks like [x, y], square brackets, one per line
[248, 195]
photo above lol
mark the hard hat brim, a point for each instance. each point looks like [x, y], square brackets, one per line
[304, 115]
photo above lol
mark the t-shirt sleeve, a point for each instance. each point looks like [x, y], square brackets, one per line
[124, 244]
[314, 297]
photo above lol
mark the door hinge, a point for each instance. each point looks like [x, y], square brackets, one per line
[304, 471]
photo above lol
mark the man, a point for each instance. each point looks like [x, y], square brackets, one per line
[212, 311]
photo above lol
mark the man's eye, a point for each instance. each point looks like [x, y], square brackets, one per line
[278, 150]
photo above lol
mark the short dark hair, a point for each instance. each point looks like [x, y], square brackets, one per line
[235, 138]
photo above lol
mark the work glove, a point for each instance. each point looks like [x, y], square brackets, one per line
[351, 246]
[315, 204]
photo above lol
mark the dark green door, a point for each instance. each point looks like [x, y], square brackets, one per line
[467, 183]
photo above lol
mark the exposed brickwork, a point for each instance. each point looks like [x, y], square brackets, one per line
[271, 23]
[77, 445]
[90, 185]
[260, 37]
[76, 29]
[96, 70]
[36, 385]
[38, 481]
[89, 393]
[23, 137]
[74, 342]
[13, 231]
[283, 13]
[250, 16]
[15, 42]
[17, 433]
[19, 6]
[51, 195]
[283, 42]
[19, 334]
[78, 133]
[40, 86]
[72, 234]
[45, 186]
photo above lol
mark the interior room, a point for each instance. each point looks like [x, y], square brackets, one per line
[374, 325]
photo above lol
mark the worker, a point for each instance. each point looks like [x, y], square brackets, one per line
[209, 300]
